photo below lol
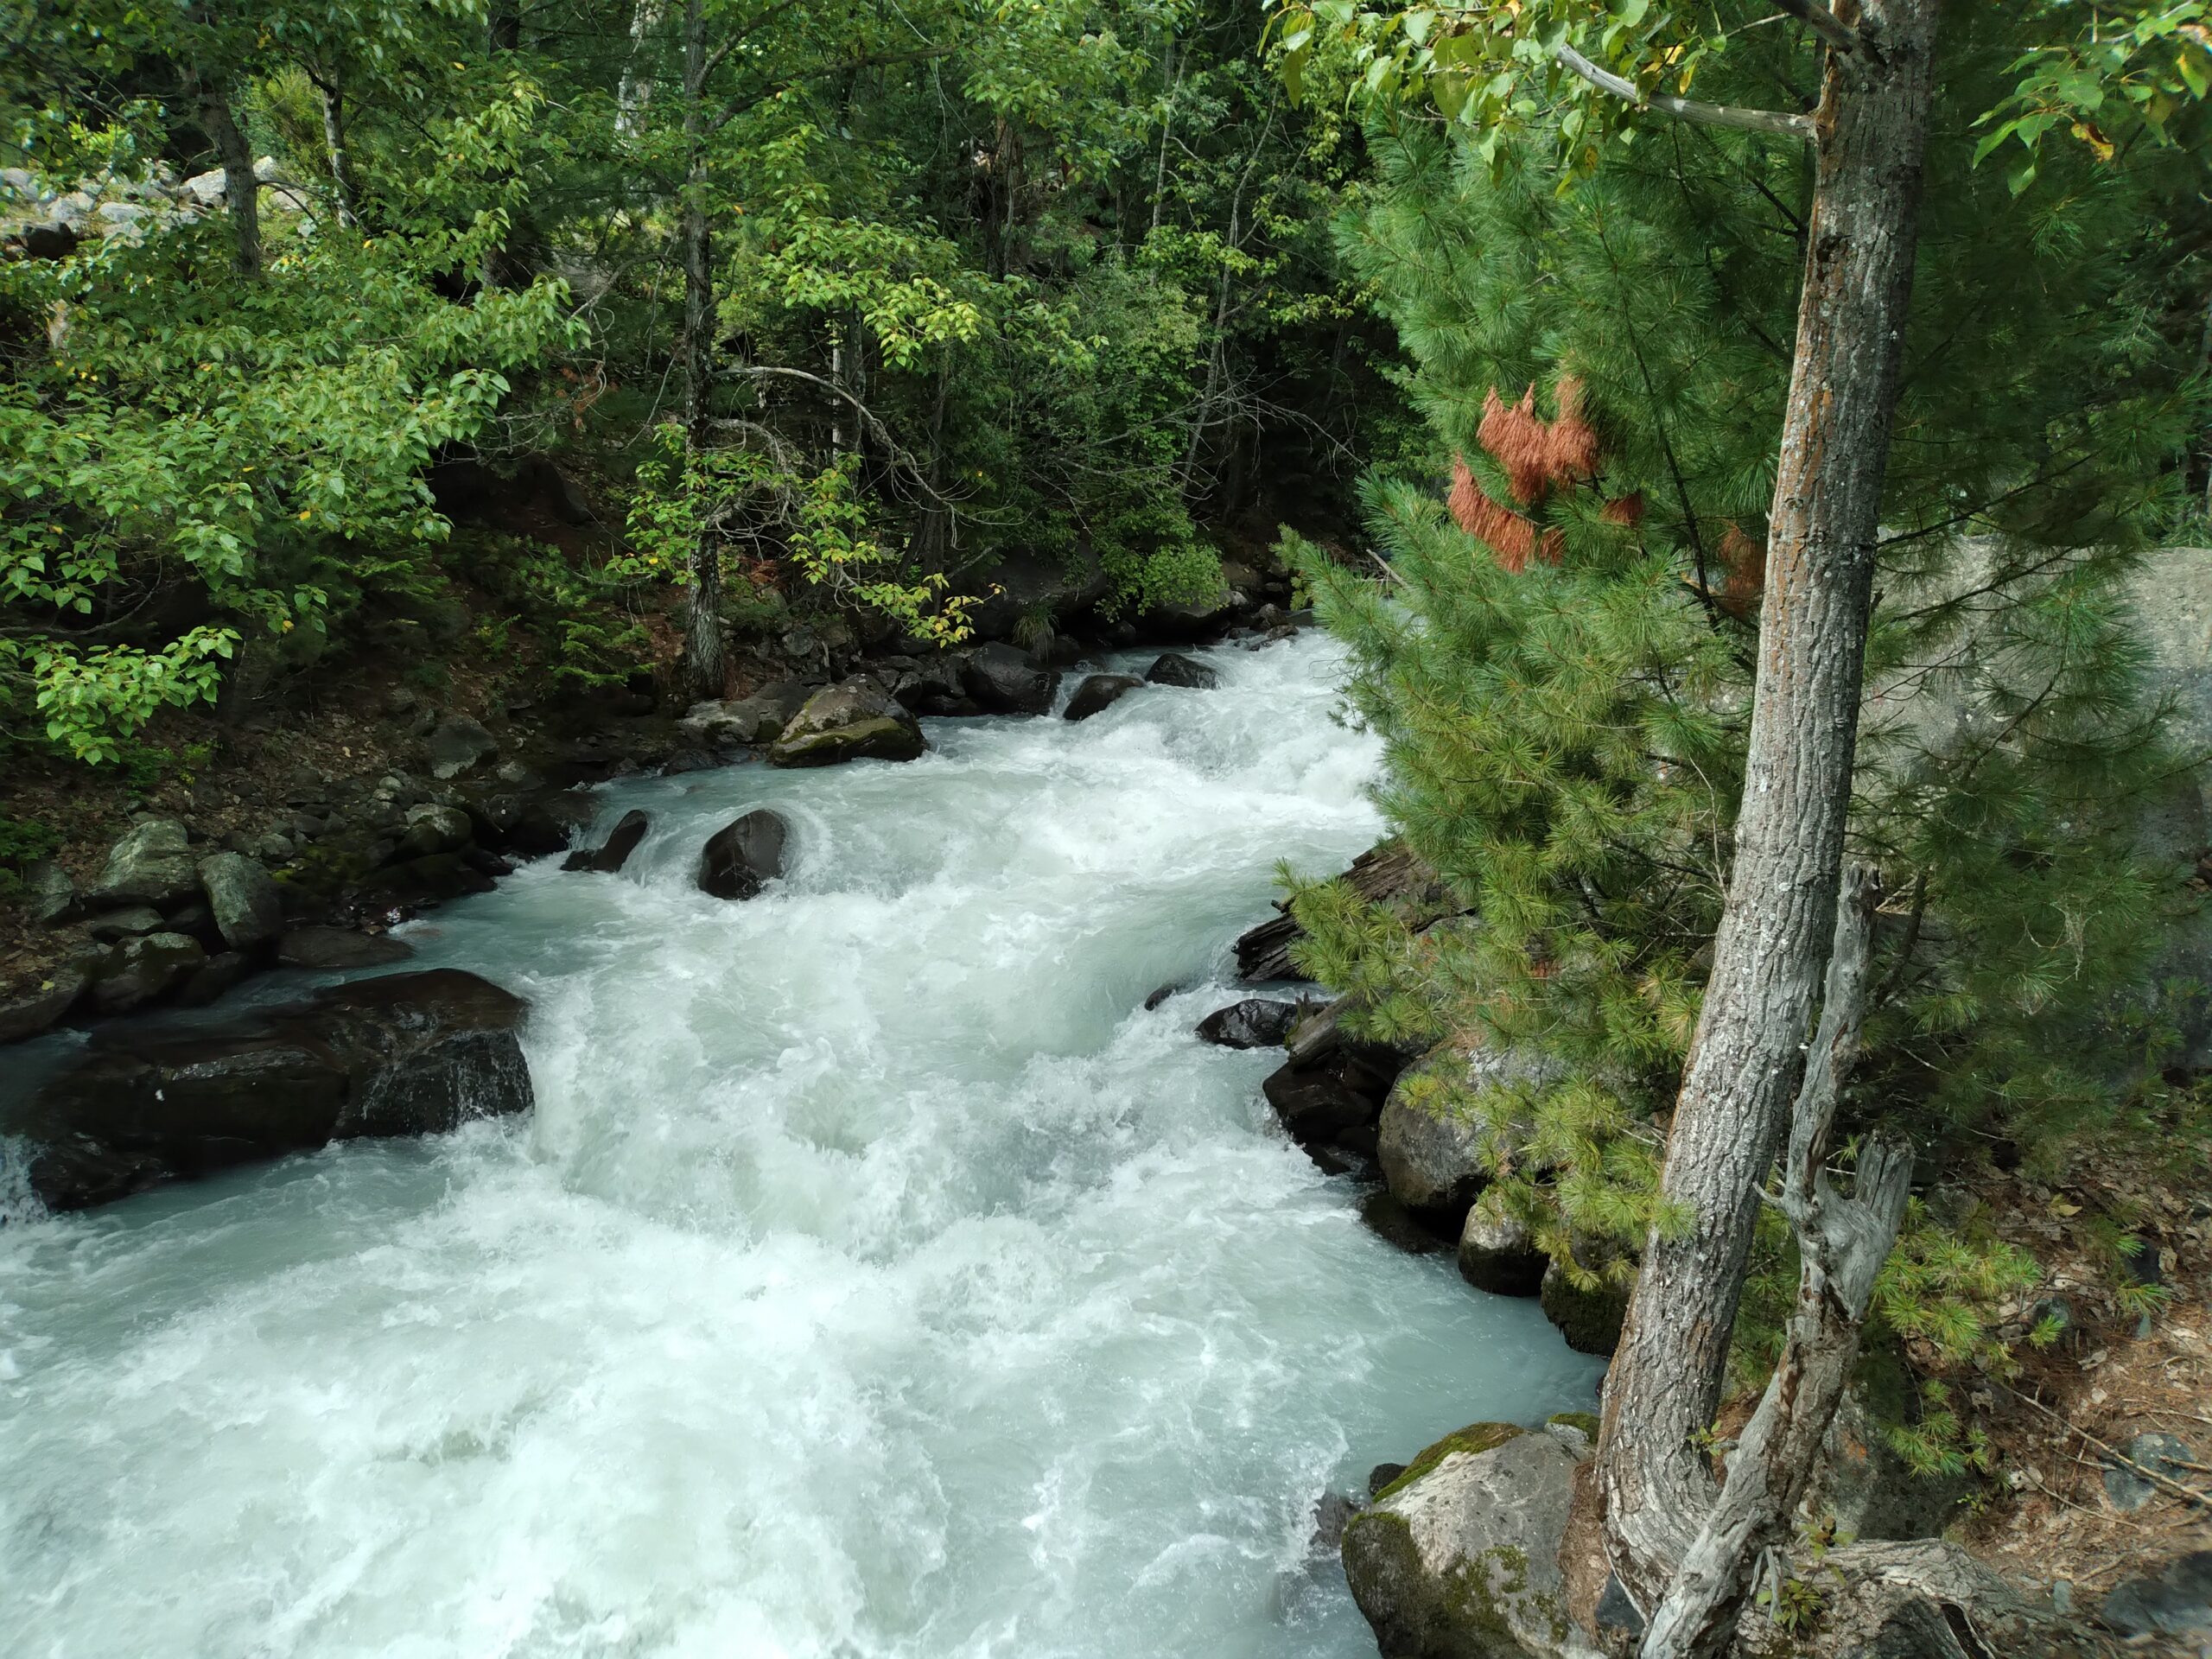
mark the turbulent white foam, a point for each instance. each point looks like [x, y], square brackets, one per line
[874, 1279]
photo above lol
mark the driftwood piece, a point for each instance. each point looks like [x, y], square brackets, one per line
[1387, 873]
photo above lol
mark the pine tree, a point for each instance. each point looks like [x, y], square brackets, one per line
[1564, 740]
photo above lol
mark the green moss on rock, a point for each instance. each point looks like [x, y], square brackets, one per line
[1476, 1437]
[1585, 1421]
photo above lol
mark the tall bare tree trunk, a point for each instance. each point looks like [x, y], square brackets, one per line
[241, 190]
[1841, 1245]
[333, 139]
[1870, 135]
[635, 92]
[706, 661]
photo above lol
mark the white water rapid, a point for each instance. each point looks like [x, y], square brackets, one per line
[874, 1278]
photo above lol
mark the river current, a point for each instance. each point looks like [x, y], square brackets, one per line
[876, 1279]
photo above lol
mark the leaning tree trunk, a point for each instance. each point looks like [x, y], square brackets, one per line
[706, 661]
[1871, 133]
[1841, 1245]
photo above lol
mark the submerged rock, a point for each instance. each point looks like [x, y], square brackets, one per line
[614, 853]
[741, 856]
[1098, 693]
[1458, 1558]
[1175, 669]
[407, 1054]
[1006, 682]
[854, 720]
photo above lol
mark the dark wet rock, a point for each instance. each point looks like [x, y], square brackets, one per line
[212, 978]
[1257, 1022]
[1175, 669]
[49, 896]
[1616, 1612]
[459, 745]
[399, 890]
[431, 829]
[1497, 1255]
[1459, 1557]
[1589, 1320]
[2173, 1600]
[1098, 693]
[407, 1054]
[1159, 994]
[141, 970]
[1196, 621]
[198, 919]
[756, 718]
[152, 865]
[1397, 1226]
[338, 949]
[742, 855]
[1330, 1092]
[44, 1004]
[247, 905]
[931, 686]
[1332, 1511]
[1915, 1601]
[1389, 874]
[1005, 681]
[1037, 587]
[2129, 1489]
[1864, 1482]
[1381, 1475]
[854, 720]
[685, 760]
[129, 923]
[614, 853]
[531, 826]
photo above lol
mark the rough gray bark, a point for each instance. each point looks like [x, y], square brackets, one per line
[1773, 941]
[241, 190]
[1841, 1244]
[706, 659]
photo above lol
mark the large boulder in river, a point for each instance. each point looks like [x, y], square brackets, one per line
[339, 949]
[614, 853]
[1098, 693]
[152, 865]
[1006, 682]
[407, 1054]
[741, 856]
[1458, 1558]
[854, 720]
[1590, 1317]
[248, 908]
[1175, 669]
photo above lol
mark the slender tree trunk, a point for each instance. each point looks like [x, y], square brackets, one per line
[1773, 940]
[1167, 130]
[333, 139]
[1841, 1244]
[706, 661]
[636, 91]
[241, 190]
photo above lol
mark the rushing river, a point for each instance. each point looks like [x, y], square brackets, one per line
[876, 1277]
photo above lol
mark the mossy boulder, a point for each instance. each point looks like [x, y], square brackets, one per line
[1458, 1558]
[854, 720]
